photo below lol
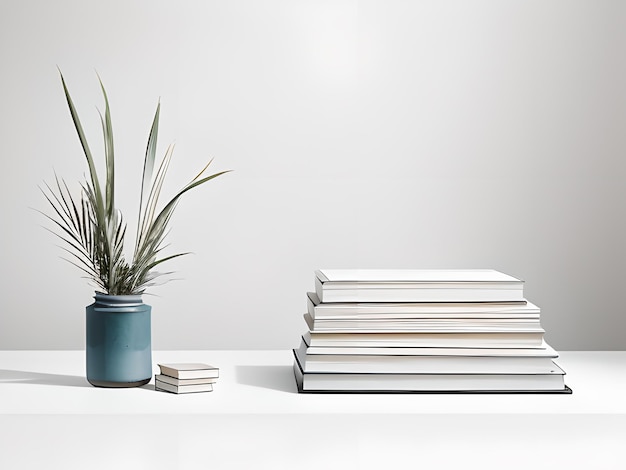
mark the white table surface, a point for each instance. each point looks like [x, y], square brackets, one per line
[50, 416]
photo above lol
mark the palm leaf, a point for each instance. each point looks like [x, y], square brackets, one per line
[148, 166]
[107, 131]
[83, 139]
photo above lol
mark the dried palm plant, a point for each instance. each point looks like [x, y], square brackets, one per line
[93, 229]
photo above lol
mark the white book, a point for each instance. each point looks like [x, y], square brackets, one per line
[422, 325]
[175, 381]
[333, 382]
[423, 364]
[412, 310]
[180, 389]
[439, 340]
[189, 370]
[416, 285]
[544, 350]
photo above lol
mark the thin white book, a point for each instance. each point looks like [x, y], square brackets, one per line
[416, 285]
[415, 310]
[423, 364]
[180, 389]
[423, 325]
[334, 382]
[543, 350]
[177, 382]
[189, 370]
[438, 340]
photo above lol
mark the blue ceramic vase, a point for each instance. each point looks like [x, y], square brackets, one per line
[119, 345]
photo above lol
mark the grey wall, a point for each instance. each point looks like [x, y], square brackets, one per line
[431, 134]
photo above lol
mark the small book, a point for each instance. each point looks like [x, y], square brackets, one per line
[186, 370]
[179, 389]
[177, 382]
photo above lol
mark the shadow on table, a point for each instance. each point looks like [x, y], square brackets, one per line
[18, 376]
[273, 377]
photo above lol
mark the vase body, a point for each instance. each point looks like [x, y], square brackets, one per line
[119, 344]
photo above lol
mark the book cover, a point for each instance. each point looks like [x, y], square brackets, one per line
[414, 310]
[423, 364]
[423, 325]
[181, 389]
[189, 370]
[417, 276]
[428, 383]
[415, 285]
[543, 350]
[435, 340]
[177, 382]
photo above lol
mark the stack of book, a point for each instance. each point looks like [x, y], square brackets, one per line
[186, 378]
[464, 331]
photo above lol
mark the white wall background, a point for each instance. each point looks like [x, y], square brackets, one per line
[387, 133]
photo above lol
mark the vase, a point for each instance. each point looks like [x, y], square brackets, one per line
[119, 345]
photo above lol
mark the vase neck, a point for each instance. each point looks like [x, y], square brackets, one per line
[117, 300]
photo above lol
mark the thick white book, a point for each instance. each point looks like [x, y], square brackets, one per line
[189, 370]
[423, 364]
[412, 310]
[177, 382]
[422, 325]
[437, 340]
[416, 285]
[180, 389]
[335, 382]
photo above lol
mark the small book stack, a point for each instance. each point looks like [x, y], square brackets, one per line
[186, 378]
[423, 331]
